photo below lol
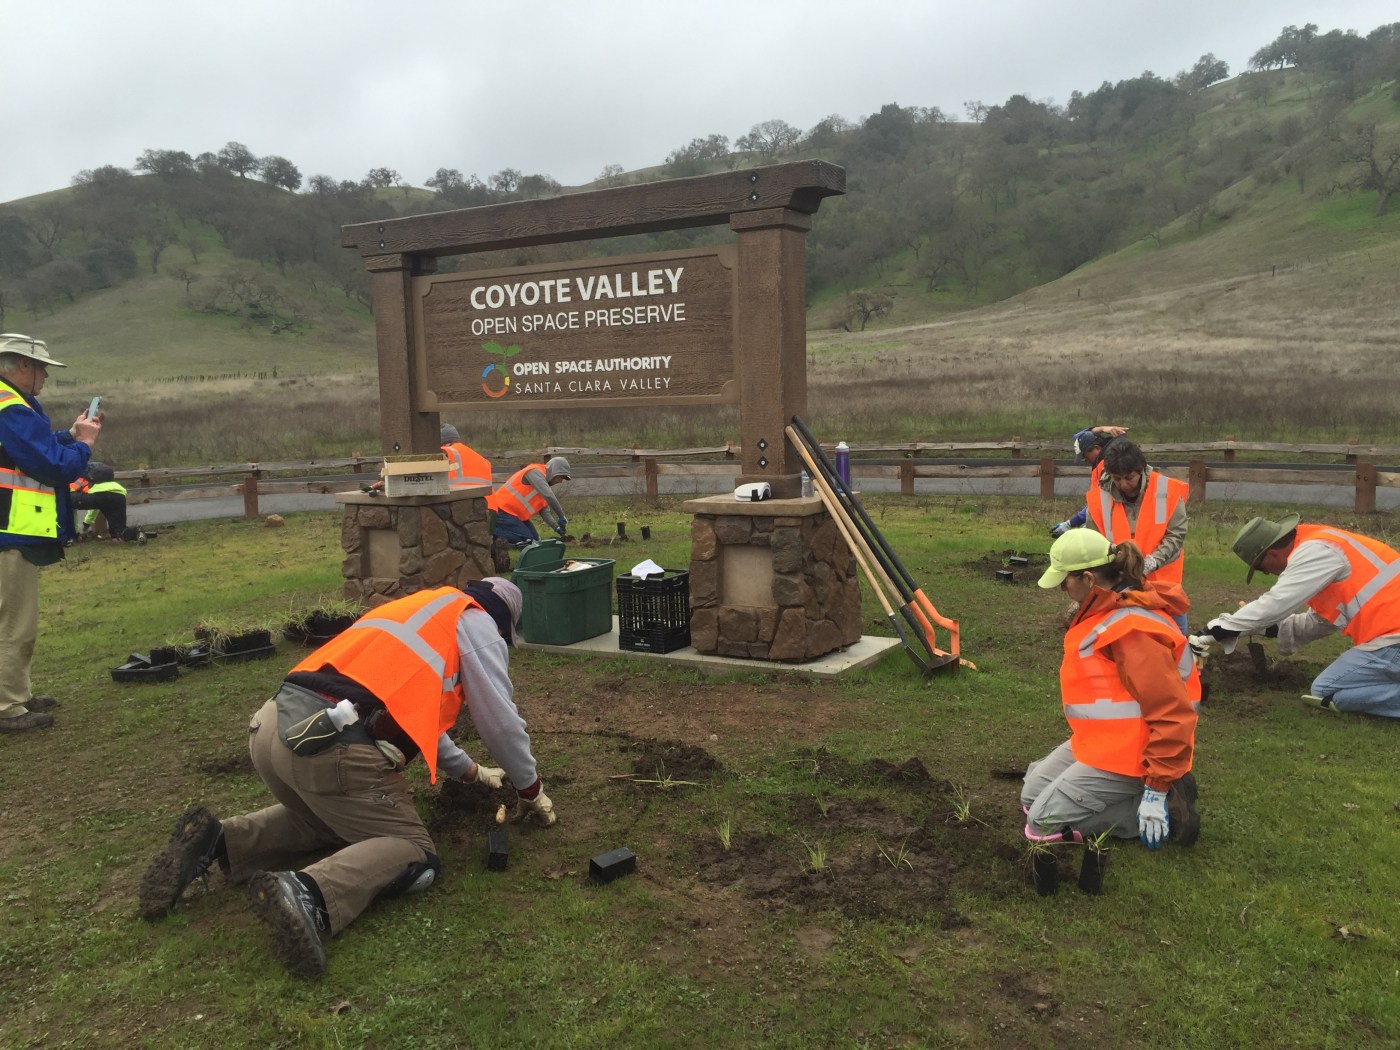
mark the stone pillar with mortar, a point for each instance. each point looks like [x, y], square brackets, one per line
[398, 545]
[772, 580]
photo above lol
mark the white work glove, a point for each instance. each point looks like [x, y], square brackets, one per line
[1222, 634]
[1059, 529]
[1152, 818]
[539, 807]
[1150, 564]
[487, 776]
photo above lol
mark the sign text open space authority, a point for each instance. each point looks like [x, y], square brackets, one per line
[641, 329]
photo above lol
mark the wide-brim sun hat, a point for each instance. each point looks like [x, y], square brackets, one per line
[34, 349]
[1257, 535]
[1075, 551]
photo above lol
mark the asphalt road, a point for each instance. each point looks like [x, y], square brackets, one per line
[164, 512]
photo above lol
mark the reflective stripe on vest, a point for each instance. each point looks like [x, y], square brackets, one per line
[1161, 494]
[31, 507]
[469, 469]
[1366, 604]
[405, 653]
[516, 498]
[1108, 731]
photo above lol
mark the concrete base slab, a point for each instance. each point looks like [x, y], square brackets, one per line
[862, 654]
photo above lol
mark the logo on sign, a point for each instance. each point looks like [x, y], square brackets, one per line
[495, 380]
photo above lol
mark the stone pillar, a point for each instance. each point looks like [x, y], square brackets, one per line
[771, 580]
[395, 546]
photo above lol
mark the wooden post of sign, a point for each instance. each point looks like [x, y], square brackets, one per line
[771, 309]
[401, 429]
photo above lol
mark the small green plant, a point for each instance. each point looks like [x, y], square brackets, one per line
[724, 834]
[1100, 843]
[816, 857]
[962, 807]
[823, 803]
[664, 780]
[899, 858]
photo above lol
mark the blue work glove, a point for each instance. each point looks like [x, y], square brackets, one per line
[561, 525]
[1152, 818]
[1058, 530]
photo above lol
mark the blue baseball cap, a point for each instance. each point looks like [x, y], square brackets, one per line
[1084, 441]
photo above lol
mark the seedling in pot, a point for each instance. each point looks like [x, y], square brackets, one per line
[1044, 867]
[1091, 869]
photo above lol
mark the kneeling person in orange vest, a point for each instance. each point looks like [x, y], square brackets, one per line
[1348, 583]
[330, 746]
[527, 492]
[1137, 502]
[1131, 695]
[470, 469]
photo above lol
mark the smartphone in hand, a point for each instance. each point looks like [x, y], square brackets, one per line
[94, 407]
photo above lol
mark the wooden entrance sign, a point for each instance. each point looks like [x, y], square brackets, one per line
[705, 326]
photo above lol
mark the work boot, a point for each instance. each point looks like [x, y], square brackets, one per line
[289, 909]
[28, 720]
[41, 703]
[194, 845]
[1184, 823]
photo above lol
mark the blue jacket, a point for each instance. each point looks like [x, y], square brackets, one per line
[29, 443]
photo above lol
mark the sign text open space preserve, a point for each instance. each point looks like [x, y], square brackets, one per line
[640, 329]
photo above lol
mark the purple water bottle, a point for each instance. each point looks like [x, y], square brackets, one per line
[843, 463]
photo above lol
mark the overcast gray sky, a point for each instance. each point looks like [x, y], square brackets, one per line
[557, 87]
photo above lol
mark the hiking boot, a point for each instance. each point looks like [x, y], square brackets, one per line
[193, 847]
[1318, 703]
[290, 910]
[1184, 823]
[41, 703]
[28, 720]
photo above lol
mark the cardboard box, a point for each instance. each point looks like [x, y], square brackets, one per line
[416, 475]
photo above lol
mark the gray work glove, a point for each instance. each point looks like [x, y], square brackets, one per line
[538, 807]
[1059, 529]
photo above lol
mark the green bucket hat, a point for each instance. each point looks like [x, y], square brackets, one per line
[1257, 536]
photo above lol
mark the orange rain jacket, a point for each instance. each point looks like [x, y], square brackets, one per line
[1129, 685]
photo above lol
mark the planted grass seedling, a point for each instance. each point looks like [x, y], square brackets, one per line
[899, 858]
[725, 833]
[816, 858]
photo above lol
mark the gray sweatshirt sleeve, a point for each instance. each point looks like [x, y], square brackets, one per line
[486, 684]
[1172, 542]
[1313, 565]
[553, 511]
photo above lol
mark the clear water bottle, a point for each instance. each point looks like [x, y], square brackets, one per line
[843, 463]
[807, 485]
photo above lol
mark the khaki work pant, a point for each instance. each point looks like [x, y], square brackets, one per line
[19, 628]
[348, 799]
[1060, 792]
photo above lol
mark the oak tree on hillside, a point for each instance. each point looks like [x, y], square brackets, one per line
[238, 158]
[279, 171]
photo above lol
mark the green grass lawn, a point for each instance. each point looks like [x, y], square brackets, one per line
[855, 906]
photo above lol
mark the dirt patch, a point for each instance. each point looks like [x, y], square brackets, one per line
[1008, 566]
[1246, 685]
[238, 765]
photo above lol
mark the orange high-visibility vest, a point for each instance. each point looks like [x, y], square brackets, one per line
[1108, 730]
[1366, 604]
[27, 507]
[470, 468]
[405, 653]
[516, 498]
[1156, 506]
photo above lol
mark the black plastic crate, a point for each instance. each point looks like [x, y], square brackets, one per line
[653, 615]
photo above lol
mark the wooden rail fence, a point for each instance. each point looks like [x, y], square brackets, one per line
[916, 460]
